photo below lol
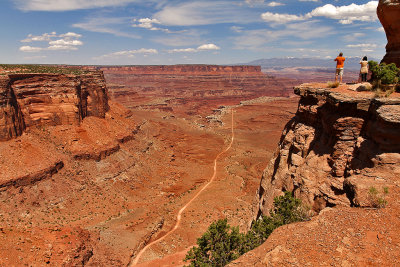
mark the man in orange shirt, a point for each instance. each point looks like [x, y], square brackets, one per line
[339, 66]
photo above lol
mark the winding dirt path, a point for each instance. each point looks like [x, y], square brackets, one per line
[179, 216]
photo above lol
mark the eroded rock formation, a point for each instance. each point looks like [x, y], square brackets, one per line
[389, 15]
[28, 100]
[337, 146]
[183, 84]
[185, 69]
[11, 121]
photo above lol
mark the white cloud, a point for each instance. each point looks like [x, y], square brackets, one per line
[362, 45]
[106, 25]
[68, 41]
[129, 53]
[148, 23]
[282, 18]
[274, 4]
[183, 50]
[65, 5]
[258, 40]
[27, 48]
[237, 29]
[208, 47]
[345, 14]
[61, 47]
[204, 13]
[380, 29]
[71, 35]
[348, 14]
[39, 38]
[204, 47]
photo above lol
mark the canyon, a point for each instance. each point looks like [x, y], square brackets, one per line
[127, 168]
[93, 182]
[193, 87]
[129, 165]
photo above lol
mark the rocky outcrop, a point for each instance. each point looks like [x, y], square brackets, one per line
[11, 120]
[28, 100]
[31, 178]
[389, 15]
[338, 145]
[94, 96]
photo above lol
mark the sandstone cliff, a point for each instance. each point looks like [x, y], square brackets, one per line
[28, 100]
[389, 15]
[338, 145]
[11, 121]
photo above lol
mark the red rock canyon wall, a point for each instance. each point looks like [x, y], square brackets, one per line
[334, 149]
[28, 100]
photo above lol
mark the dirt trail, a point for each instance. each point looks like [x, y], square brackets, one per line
[179, 216]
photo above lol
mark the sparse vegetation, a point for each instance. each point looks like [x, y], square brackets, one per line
[384, 93]
[223, 243]
[11, 68]
[385, 77]
[376, 199]
[332, 84]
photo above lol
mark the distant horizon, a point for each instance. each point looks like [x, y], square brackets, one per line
[250, 63]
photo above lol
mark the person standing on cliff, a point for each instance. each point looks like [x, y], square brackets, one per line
[364, 69]
[339, 66]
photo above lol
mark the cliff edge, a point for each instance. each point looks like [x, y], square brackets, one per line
[42, 99]
[339, 144]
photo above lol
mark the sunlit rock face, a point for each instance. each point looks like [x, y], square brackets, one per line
[330, 152]
[389, 15]
[28, 100]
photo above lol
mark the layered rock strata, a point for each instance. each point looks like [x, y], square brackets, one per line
[28, 100]
[11, 121]
[184, 69]
[183, 84]
[389, 15]
[337, 146]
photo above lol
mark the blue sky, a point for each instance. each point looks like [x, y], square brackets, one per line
[185, 32]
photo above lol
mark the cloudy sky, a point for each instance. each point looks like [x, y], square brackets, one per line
[185, 31]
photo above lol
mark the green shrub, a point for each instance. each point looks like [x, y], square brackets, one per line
[384, 73]
[217, 247]
[287, 209]
[376, 199]
[223, 243]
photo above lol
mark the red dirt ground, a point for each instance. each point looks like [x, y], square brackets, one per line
[124, 179]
